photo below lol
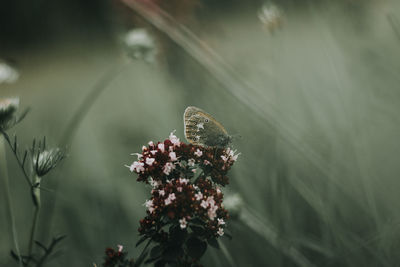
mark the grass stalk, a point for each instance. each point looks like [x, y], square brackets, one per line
[36, 202]
[4, 174]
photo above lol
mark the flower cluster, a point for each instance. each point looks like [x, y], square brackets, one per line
[186, 197]
[8, 108]
[116, 258]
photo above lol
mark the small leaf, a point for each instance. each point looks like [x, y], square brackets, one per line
[195, 247]
[178, 235]
[41, 245]
[155, 251]
[14, 255]
[160, 263]
[141, 240]
[172, 253]
[141, 258]
[197, 230]
[214, 243]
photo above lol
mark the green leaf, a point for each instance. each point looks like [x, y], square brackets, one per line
[197, 230]
[195, 247]
[172, 253]
[178, 236]
[139, 260]
[141, 240]
[160, 263]
[213, 242]
[155, 251]
[41, 245]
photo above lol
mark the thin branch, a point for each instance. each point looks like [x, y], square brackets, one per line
[49, 250]
[14, 149]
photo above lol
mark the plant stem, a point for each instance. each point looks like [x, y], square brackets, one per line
[36, 202]
[4, 173]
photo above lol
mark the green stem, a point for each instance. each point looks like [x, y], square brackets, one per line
[36, 202]
[4, 173]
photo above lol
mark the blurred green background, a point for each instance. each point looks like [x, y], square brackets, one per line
[314, 101]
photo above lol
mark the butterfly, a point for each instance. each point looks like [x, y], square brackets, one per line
[202, 129]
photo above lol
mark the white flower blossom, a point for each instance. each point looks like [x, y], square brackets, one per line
[199, 196]
[174, 140]
[154, 183]
[169, 199]
[140, 45]
[151, 143]
[149, 205]
[149, 161]
[168, 168]
[137, 167]
[220, 232]
[183, 180]
[183, 223]
[198, 153]
[172, 156]
[191, 162]
[204, 204]
[179, 188]
[120, 248]
[161, 147]
[7, 73]
[161, 192]
[224, 158]
[220, 221]
[212, 212]
[153, 152]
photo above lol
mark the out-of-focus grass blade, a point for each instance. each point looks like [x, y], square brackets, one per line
[232, 81]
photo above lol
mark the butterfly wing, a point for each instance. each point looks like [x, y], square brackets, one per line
[202, 129]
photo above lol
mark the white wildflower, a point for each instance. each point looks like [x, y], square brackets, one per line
[220, 232]
[191, 162]
[172, 156]
[161, 147]
[198, 153]
[168, 168]
[183, 223]
[149, 161]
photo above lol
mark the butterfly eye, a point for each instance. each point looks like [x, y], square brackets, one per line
[206, 120]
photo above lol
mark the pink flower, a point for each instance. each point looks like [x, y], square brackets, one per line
[149, 161]
[191, 162]
[137, 167]
[204, 204]
[198, 153]
[172, 156]
[161, 147]
[183, 180]
[224, 158]
[174, 140]
[168, 168]
[183, 223]
[169, 199]
[199, 196]
[220, 232]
